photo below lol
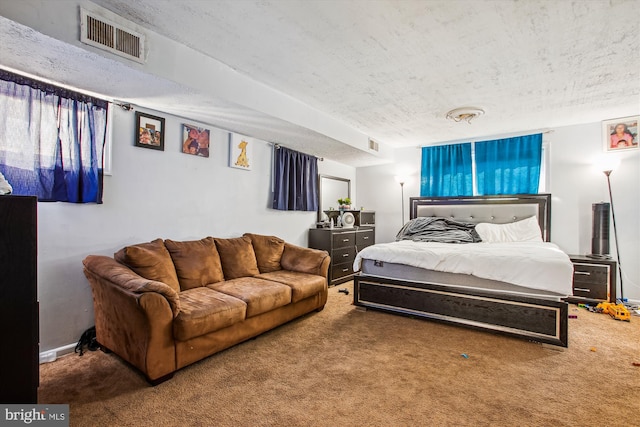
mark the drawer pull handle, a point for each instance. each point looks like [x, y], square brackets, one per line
[582, 289]
[345, 255]
[344, 270]
[584, 273]
[345, 240]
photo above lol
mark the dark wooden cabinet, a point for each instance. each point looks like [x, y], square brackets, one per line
[19, 370]
[594, 279]
[342, 244]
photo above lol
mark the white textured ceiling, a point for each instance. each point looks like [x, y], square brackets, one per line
[392, 69]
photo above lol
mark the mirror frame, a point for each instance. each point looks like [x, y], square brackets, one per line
[335, 178]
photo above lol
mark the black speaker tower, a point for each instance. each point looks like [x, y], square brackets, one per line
[600, 231]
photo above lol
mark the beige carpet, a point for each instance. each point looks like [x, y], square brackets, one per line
[346, 367]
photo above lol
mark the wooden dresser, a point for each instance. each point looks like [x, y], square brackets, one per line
[342, 244]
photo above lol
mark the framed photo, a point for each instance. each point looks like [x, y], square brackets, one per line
[240, 152]
[620, 134]
[149, 131]
[195, 140]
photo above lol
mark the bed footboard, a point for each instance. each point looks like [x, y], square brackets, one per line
[525, 317]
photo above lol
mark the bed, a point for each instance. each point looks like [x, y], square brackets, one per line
[514, 288]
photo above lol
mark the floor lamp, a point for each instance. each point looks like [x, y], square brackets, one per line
[401, 180]
[615, 231]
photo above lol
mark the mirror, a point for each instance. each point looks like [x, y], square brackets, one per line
[331, 189]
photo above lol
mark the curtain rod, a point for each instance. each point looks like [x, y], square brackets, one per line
[489, 138]
[278, 146]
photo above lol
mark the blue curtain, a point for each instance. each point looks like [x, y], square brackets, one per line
[295, 177]
[509, 166]
[446, 171]
[51, 141]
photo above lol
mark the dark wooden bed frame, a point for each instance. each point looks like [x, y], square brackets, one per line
[536, 319]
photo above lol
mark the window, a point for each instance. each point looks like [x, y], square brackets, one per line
[51, 140]
[446, 170]
[295, 177]
[503, 166]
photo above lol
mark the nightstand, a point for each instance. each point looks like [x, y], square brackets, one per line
[594, 280]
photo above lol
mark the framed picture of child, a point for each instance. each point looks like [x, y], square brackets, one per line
[620, 134]
[195, 140]
[149, 132]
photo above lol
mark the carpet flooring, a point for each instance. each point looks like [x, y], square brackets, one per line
[347, 367]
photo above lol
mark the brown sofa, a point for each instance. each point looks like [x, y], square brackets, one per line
[163, 305]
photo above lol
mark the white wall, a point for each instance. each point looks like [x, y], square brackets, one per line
[154, 194]
[574, 182]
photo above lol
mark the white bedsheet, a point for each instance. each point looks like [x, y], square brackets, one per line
[537, 265]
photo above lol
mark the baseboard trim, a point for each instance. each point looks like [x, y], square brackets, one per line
[53, 354]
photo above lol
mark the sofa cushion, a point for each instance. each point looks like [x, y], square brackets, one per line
[205, 310]
[302, 285]
[238, 257]
[196, 261]
[268, 251]
[151, 261]
[260, 295]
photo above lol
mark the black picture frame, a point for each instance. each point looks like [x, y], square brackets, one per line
[149, 131]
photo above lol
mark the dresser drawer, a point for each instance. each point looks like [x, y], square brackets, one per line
[591, 274]
[339, 256]
[342, 240]
[341, 270]
[364, 239]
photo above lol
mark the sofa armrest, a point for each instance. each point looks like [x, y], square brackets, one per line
[120, 275]
[305, 260]
[133, 316]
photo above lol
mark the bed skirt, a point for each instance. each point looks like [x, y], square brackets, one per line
[535, 319]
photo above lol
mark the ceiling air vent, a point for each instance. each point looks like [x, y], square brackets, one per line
[373, 145]
[117, 39]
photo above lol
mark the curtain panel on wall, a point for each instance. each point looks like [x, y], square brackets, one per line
[51, 140]
[446, 171]
[509, 166]
[295, 177]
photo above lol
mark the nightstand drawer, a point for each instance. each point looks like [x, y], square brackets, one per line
[591, 290]
[585, 274]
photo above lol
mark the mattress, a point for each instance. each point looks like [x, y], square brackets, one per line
[530, 266]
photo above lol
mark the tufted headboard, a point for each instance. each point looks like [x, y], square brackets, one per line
[492, 209]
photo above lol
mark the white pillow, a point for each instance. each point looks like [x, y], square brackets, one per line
[527, 230]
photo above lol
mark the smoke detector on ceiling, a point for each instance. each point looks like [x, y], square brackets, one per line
[465, 114]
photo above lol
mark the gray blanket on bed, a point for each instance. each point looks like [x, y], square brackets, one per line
[435, 229]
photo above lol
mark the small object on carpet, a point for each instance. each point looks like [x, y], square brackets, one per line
[593, 349]
[573, 316]
[635, 363]
[465, 355]
[344, 291]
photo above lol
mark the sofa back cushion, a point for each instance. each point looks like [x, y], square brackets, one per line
[268, 251]
[238, 257]
[197, 262]
[151, 261]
